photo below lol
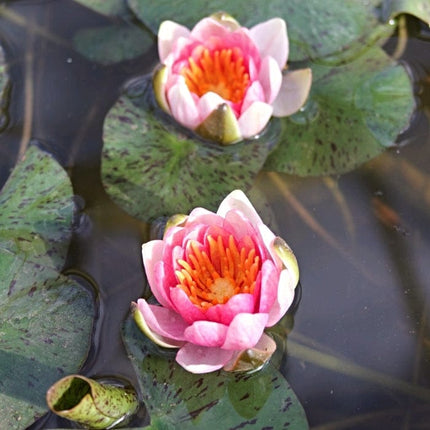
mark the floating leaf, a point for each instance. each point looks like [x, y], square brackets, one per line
[177, 399]
[152, 167]
[45, 318]
[418, 8]
[106, 7]
[316, 29]
[353, 113]
[114, 43]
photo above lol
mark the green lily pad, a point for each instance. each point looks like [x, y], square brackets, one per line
[152, 167]
[177, 399]
[106, 7]
[316, 29]
[417, 8]
[114, 43]
[45, 318]
[354, 112]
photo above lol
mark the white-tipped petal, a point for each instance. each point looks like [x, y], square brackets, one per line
[270, 77]
[182, 105]
[168, 33]
[271, 39]
[254, 119]
[294, 91]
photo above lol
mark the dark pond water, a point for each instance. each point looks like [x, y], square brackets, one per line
[359, 354]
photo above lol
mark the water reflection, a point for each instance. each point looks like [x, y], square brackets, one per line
[359, 354]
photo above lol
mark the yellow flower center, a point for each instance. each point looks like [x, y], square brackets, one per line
[213, 278]
[220, 71]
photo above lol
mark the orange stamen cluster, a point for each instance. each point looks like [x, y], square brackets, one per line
[220, 71]
[213, 277]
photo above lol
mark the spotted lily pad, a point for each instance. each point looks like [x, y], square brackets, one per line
[354, 112]
[45, 318]
[177, 399]
[152, 167]
[316, 29]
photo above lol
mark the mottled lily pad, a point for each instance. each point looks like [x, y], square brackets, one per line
[177, 399]
[153, 167]
[114, 43]
[316, 29]
[354, 112]
[45, 318]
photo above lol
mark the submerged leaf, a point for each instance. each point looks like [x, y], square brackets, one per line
[114, 43]
[177, 399]
[353, 113]
[45, 318]
[152, 167]
[106, 7]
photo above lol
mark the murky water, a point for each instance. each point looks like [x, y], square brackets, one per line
[359, 354]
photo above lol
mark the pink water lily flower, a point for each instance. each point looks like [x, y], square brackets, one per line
[220, 279]
[225, 81]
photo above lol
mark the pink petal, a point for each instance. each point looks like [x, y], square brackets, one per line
[269, 286]
[224, 314]
[168, 34]
[268, 238]
[164, 280]
[237, 200]
[253, 94]
[162, 321]
[244, 331]
[293, 93]
[182, 105]
[207, 28]
[200, 359]
[206, 333]
[254, 119]
[208, 103]
[203, 216]
[238, 225]
[152, 254]
[284, 298]
[183, 305]
[270, 77]
[271, 39]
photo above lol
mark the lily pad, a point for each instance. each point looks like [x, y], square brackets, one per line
[177, 399]
[45, 318]
[113, 43]
[353, 113]
[153, 167]
[417, 8]
[106, 7]
[316, 29]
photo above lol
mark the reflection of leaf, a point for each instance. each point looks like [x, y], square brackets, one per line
[107, 45]
[178, 399]
[354, 112]
[4, 84]
[106, 7]
[45, 318]
[315, 28]
[153, 168]
[418, 8]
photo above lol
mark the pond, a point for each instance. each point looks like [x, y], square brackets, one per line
[357, 354]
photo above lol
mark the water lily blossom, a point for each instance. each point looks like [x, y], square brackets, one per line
[220, 279]
[226, 81]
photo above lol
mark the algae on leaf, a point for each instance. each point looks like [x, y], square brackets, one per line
[45, 318]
